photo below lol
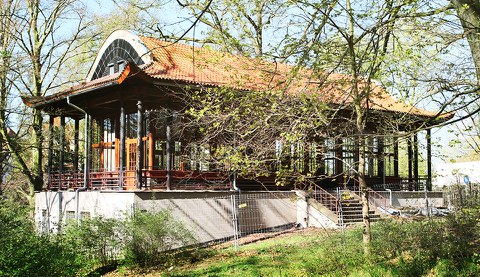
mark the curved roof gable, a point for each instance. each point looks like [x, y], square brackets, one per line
[120, 47]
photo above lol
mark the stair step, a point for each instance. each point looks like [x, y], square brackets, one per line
[360, 216]
[360, 220]
[350, 211]
[351, 203]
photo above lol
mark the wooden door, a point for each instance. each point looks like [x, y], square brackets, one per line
[131, 163]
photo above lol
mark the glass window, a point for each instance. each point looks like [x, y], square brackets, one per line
[330, 157]
[348, 156]
[389, 154]
[372, 147]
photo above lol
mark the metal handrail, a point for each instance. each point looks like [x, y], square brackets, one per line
[377, 200]
[327, 199]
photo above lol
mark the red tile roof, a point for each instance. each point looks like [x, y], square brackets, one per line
[175, 62]
[201, 66]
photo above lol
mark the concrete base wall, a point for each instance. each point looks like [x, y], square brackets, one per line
[54, 207]
[209, 215]
[415, 198]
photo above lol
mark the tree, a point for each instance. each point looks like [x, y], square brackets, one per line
[41, 50]
[468, 12]
[241, 26]
[354, 39]
[7, 23]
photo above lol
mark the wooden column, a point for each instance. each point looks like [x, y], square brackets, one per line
[62, 144]
[381, 158]
[151, 148]
[75, 147]
[100, 138]
[151, 142]
[169, 152]
[429, 160]
[410, 162]
[122, 145]
[50, 151]
[415, 159]
[140, 152]
[395, 157]
[306, 157]
[320, 170]
[88, 149]
[339, 161]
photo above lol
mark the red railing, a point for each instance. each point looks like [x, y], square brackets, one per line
[151, 179]
[65, 180]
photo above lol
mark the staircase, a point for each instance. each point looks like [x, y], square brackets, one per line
[351, 211]
[346, 210]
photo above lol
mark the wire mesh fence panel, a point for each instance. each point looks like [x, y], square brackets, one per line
[265, 212]
[213, 217]
[460, 195]
[207, 217]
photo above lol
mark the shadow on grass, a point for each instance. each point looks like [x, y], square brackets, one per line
[247, 266]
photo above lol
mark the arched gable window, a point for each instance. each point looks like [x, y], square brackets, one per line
[114, 58]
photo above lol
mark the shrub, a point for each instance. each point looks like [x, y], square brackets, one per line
[417, 247]
[99, 240]
[24, 253]
[152, 234]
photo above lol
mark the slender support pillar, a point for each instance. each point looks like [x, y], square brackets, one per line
[101, 139]
[151, 141]
[122, 145]
[415, 159]
[140, 152]
[151, 147]
[62, 145]
[319, 157]
[429, 160]
[169, 152]
[306, 158]
[410, 163]
[381, 158]
[50, 151]
[75, 145]
[88, 149]
[395, 158]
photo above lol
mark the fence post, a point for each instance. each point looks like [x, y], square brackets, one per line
[426, 201]
[339, 209]
[234, 220]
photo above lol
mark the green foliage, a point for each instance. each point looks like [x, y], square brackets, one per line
[99, 241]
[253, 131]
[440, 247]
[414, 248]
[145, 239]
[24, 253]
[151, 235]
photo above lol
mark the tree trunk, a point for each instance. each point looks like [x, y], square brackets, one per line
[37, 167]
[364, 195]
[468, 12]
[358, 98]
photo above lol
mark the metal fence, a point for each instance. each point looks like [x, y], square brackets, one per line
[229, 216]
[458, 196]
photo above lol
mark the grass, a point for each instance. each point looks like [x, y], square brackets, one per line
[314, 252]
[293, 254]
